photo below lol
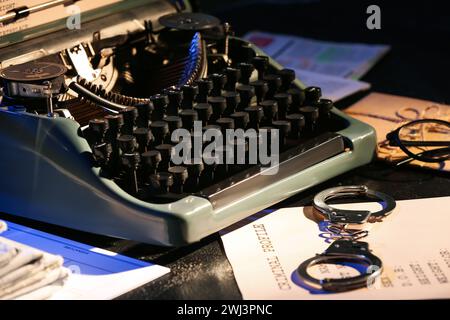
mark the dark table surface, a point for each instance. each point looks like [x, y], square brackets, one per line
[417, 66]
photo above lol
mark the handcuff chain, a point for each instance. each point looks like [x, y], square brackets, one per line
[339, 232]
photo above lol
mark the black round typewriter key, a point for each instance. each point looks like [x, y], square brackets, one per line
[177, 139]
[287, 77]
[98, 129]
[167, 151]
[188, 117]
[130, 162]
[175, 96]
[204, 111]
[204, 88]
[298, 99]
[225, 123]
[150, 161]
[161, 182]
[102, 153]
[219, 81]
[143, 137]
[196, 144]
[194, 172]
[270, 108]
[211, 128]
[129, 115]
[233, 77]
[115, 123]
[246, 92]
[190, 92]
[180, 175]
[274, 83]
[261, 64]
[297, 122]
[241, 119]
[311, 116]
[127, 143]
[267, 135]
[261, 89]
[209, 172]
[209, 135]
[225, 158]
[219, 105]
[233, 99]
[194, 168]
[284, 128]
[324, 106]
[246, 72]
[174, 123]
[160, 130]
[240, 155]
[160, 102]
[283, 100]
[312, 95]
[283, 125]
[256, 114]
[145, 111]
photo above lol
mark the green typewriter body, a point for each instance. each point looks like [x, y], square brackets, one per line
[88, 116]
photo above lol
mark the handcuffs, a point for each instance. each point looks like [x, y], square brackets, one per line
[345, 227]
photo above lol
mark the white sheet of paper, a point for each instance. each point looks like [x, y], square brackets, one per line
[96, 273]
[334, 88]
[413, 243]
[346, 60]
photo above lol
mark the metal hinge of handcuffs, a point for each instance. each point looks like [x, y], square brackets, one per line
[346, 247]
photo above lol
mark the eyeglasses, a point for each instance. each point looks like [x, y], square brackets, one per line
[426, 140]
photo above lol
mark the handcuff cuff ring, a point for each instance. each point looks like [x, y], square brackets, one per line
[340, 216]
[342, 251]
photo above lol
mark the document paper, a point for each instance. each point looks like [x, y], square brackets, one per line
[413, 244]
[346, 60]
[96, 273]
[329, 65]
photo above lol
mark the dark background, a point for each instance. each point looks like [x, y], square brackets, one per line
[417, 66]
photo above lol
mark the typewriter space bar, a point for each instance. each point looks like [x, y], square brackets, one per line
[293, 161]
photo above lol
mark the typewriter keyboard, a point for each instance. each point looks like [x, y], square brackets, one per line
[141, 150]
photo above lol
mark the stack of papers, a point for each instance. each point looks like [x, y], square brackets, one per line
[28, 273]
[94, 273]
[332, 66]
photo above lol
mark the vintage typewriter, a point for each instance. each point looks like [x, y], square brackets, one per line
[87, 118]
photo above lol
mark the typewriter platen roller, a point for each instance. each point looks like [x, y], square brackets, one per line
[87, 121]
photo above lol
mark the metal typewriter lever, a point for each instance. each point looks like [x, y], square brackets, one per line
[339, 216]
[342, 251]
[22, 12]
